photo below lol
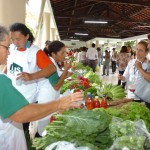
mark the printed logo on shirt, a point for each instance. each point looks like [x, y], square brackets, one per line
[15, 68]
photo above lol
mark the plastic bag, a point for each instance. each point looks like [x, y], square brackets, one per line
[129, 143]
[142, 90]
[129, 135]
[98, 68]
[63, 145]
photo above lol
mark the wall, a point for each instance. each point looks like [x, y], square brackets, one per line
[78, 44]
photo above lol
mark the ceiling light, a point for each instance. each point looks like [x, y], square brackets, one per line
[75, 40]
[144, 26]
[81, 34]
[95, 22]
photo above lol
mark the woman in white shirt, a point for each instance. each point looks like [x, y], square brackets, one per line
[136, 69]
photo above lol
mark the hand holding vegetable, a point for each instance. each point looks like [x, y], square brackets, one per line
[67, 65]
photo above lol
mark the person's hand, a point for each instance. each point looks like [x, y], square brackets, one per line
[120, 77]
[67, 65]
[138, 64]
[24, 76]
[70, 101]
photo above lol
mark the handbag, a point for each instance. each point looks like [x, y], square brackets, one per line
[143, 90]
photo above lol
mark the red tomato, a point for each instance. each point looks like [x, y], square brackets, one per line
[52, 118]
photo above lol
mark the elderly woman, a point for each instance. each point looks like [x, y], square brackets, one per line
[137, 69]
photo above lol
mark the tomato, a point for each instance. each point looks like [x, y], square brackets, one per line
[77, 90]
[52, 118]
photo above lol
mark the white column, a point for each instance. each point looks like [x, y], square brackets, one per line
[57, 37]
[46, 28]
[91, 43]
[97, 44]
[12, 11]
[87, 45]
[53, 34]
[46, 25]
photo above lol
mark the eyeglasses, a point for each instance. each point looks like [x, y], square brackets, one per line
[7, 48]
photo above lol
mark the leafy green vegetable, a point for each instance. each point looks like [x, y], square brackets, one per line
[74, 76]
[79, 126]
[129, 142]
[128, 134]
[92, 90]
[93, 78]
[132, 111]
[80, 66]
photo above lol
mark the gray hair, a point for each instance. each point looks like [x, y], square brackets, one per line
[3, 32]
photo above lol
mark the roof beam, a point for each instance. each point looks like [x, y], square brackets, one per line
[133, 2]
[102, 28]
[90, 9]
[102, 19]
[86, 4]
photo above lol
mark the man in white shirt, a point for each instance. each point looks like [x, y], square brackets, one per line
[92, 56]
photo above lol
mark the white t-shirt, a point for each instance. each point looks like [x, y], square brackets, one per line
[92, 54]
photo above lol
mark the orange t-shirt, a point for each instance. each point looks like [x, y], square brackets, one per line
[42, 60]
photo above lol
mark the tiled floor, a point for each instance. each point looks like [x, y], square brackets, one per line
[112, 78]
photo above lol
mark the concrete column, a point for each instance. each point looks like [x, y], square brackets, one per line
[57, 37]
[53, 34]
[46, 28]
[91, 43]
[12, 11]
[88, 45]
[97, 44]
[46, 25]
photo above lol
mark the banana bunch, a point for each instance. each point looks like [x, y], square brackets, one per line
[112, 92]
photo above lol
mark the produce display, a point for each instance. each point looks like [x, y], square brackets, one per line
[80, 126]
[131, 111]
[96, 130]
[128, 134]
[112, 92]
[86, 80]
[126, 127]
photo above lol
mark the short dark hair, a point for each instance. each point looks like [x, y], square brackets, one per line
[55, 47]
[98, 49]
[84, 49]
[47, 42]
[93, 45]
[23, 29]
[3, 32]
